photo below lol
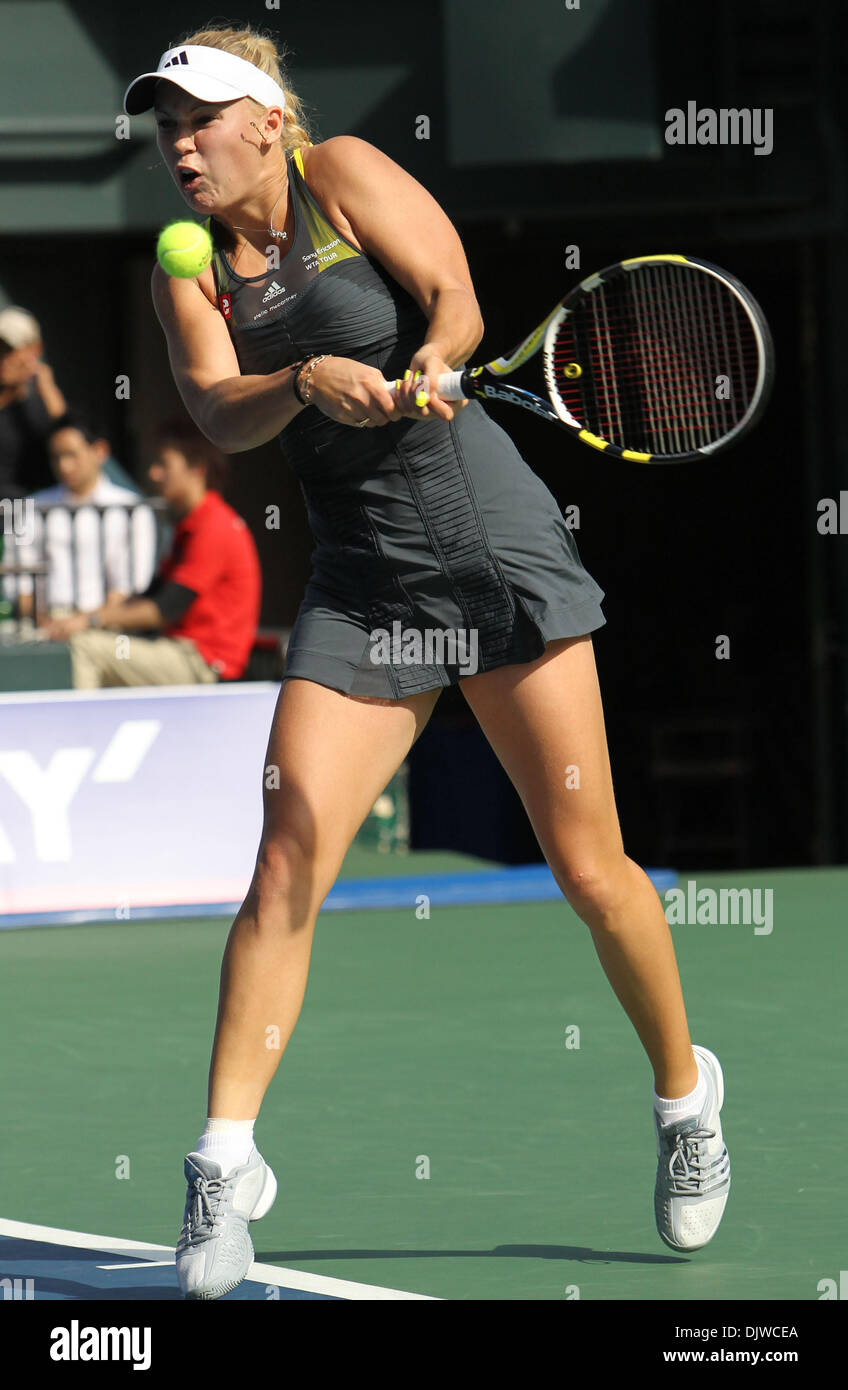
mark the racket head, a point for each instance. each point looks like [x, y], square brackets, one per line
[659, 359]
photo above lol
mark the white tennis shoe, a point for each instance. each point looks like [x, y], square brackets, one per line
[693, 1167]
[215, 1251]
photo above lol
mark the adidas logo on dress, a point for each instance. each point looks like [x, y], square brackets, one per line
[273, 290]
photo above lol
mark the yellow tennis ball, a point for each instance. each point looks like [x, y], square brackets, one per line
[184, 249]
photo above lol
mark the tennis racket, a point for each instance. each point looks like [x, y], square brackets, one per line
[657, 359]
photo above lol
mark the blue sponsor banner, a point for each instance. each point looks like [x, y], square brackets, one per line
[116, 800]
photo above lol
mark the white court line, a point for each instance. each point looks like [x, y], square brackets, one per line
[145, 1264]
[257, 1274]
[147, 692]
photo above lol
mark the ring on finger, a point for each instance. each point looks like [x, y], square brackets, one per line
[360, 424]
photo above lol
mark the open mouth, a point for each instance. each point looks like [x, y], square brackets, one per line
[188, 178]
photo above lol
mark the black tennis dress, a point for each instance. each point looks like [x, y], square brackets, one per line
[423, 529]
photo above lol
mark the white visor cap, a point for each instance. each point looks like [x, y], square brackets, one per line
[209, 74]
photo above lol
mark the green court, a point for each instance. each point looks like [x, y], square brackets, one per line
[433, 1126]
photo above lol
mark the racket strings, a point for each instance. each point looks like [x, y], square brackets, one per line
[668, 360]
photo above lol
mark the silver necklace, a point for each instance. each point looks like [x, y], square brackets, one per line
[281, 236]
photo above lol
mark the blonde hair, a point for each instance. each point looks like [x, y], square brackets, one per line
[260, 48]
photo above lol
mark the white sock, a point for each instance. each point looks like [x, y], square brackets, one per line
[671, 1110]
[228, 1142]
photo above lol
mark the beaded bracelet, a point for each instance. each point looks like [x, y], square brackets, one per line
[309, 370]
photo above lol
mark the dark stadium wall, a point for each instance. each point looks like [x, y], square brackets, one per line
[684, 555]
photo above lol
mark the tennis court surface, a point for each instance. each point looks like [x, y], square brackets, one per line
[463, 1111]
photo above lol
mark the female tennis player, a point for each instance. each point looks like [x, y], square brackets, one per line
[423, 513]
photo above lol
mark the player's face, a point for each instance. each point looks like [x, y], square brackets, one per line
[74, 461]
[208, 137]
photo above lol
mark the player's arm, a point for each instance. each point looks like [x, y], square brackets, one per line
[401, 225]
[234, 412]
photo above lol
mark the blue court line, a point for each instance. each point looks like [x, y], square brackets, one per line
[524, 883]
[521, 883]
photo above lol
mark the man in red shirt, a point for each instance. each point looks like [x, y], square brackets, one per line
[197, 620]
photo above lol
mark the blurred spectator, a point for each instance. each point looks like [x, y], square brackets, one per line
[29, 401]
[198, 619]
[93, 557]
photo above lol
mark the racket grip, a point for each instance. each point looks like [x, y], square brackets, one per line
[449, 386]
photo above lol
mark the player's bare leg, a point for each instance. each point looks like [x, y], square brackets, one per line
[329, 757]
[542, 719]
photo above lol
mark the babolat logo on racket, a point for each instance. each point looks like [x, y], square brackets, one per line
[503, 393]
